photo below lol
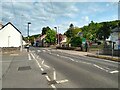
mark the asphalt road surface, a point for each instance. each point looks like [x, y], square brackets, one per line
[75, 71]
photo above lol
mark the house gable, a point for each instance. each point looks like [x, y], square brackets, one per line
[11, 25]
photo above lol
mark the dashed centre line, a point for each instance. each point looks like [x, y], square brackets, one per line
[97, 66]
[116, 71]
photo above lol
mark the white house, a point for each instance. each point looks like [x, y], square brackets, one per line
[115, 37]
[10, 36]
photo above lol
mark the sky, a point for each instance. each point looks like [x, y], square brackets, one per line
[56, 13]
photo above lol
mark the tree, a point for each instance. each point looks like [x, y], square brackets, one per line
[72, 32]
[104, 31]
[51, 37]
[45, 29]
[76, 41]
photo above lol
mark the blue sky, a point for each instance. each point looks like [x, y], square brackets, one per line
[56, 14]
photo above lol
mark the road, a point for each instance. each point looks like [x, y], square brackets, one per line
[77, 71]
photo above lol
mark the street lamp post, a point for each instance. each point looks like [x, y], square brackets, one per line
[57, 28]
[28, 36]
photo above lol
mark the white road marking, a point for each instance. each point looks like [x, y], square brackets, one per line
[58, 55]
[42, 69]
[43, 62]
[53, 86]
[48, 50]
[76, 61]
[38, 50]
[32, 55]
[46, 66]
[14, 54]
[29, 57]
[33, 51]
[100, 67]
[36, 60]
[37, 57]
[107, 68]
[62, 81]
[54, 75]
[47, 78]
[85, 62]
[43, 50]
[71, 59]
[116, 71]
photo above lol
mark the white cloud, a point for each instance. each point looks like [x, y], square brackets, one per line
[61, 0]
[42, 14]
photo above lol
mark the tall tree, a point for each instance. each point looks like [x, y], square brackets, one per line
[44, 30]
[51, 37]
[104, 32]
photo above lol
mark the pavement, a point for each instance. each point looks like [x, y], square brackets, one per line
[21, 71]
[90, 54]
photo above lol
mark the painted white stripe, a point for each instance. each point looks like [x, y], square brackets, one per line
[54, 75]
[58, 55]
[43, 50]
[32, 55]
[71, 59]
[36, 60]
[38, 50]
[33, 51]
[85, 62]
[62, 81]
[14, 54]
[29, 57]
[100, 67]
[53, 86]
[48, 50]
[116, 71]
[43, 62]
[47, 78]
[42, 69]
[46, 66]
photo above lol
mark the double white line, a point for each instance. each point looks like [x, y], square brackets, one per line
[47, 77]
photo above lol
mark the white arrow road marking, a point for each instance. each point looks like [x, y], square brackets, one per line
[116, 71]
